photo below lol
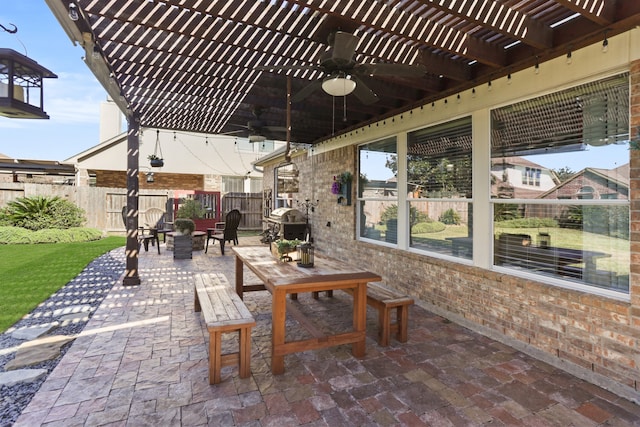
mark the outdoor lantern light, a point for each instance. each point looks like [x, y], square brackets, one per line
[21, 91]
[305, 255]
[338, 84]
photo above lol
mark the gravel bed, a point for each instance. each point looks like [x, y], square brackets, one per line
[85, 293]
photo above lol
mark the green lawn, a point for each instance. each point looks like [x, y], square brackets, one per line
[618, 262]
[31, 273]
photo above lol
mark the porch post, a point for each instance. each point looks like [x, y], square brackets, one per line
[131, 277]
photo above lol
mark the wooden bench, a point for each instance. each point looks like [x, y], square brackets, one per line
[385, 300]
[223, 312]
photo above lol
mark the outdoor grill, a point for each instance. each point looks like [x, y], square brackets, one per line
[290, 222]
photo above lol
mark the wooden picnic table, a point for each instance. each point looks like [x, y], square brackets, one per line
[282, 278]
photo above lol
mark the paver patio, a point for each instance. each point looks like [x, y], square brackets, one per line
[142, 360]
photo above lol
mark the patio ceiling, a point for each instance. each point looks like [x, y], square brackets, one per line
[203, 66]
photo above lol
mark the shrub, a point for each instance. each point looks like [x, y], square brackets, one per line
[41, 212]
[185, 225]
[450, 217]
[19, 235]
[529, 223]
[190, 208]
[427, 227]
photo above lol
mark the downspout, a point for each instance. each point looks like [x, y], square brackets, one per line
[131, 277]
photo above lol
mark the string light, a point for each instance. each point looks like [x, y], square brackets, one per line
[605, 43]
[473, 92]
[509, 78]
[569, 59]
[537, 67]
[489, 86]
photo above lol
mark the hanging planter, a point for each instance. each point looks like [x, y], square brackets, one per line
[341, 186]
[156, 159]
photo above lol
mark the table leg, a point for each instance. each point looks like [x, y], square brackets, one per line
[358, 349]
[278, 317]
[239, 276]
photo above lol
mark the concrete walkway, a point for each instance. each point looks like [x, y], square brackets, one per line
[142, 360]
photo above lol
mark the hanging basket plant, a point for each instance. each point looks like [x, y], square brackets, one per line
[156, 159]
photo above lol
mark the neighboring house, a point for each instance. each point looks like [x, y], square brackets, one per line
[519, 178]
[192, 161]
[592, 183]
[35, 171]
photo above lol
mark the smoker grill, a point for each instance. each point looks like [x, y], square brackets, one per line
[290, 223]
[282, 215]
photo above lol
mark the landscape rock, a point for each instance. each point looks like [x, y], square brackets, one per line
[19, 376]
[37, 351]
[32, 332]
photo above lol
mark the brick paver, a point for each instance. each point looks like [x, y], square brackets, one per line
[142, 360]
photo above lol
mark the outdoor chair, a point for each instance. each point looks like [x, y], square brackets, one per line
[144, 235]
[226, 231]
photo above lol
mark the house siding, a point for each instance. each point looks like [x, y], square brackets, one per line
[105, 178]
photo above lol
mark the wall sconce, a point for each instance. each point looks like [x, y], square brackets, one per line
[150, 177]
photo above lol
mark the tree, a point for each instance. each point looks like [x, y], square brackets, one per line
[436, 175]
[564, 173]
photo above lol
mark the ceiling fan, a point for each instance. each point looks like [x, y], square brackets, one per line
[343, 75]
[259, 130]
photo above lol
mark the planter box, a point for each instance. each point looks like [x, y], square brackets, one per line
[182, 247]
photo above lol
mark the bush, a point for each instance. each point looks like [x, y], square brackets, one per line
[19, 235]
[528, 223]
[185, 225]
[450, 217]
[40, 212]
[191, 208]
[427, 227]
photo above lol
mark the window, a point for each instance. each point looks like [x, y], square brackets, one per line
[286, 177]
[573, 224]
[439, 177]
[378, 191]
[233, 184]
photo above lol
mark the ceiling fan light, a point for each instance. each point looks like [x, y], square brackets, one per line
[338, 85]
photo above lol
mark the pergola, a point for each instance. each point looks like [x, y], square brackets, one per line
[209, 66]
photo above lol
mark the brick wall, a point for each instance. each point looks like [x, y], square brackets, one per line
[118, 179]
[593, 337]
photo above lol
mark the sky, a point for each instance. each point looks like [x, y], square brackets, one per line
[72, 101]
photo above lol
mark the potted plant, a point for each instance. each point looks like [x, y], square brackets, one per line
[285, 247]
[156, 162]
[182, 241]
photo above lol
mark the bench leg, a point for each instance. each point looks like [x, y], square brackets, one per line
[245, 352]
[215, 356]
[402, 314]
[384, 326]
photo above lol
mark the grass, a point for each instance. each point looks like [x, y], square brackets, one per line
[618, 262]
[31, 273]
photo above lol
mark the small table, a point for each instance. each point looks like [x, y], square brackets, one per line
[282, 278]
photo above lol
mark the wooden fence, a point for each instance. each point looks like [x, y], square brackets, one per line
[103, 206]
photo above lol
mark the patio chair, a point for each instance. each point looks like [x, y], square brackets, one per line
[225, 233]
[144, 235]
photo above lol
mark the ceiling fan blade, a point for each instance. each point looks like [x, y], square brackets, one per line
[390, 69]
[275, 129]
[306, 91]
[363, 93]
[344, 46]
